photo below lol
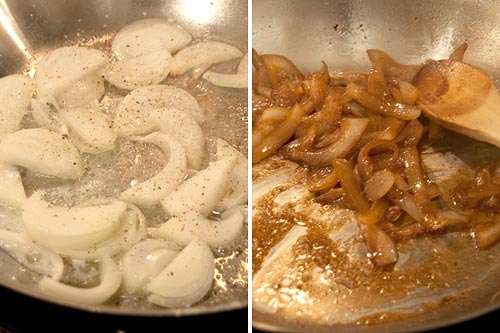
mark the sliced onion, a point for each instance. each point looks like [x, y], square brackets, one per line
[381, 248]
[42, 151]
[83, 92]
[178, 123]
[148, 36]
[111, 278]
[187, 279]
[11, 186]
[351, 130]
[237, 193]
[91, 126]
[45, 112]
[183, 228]
[243, 65]
[391, 67]
[227, 80]
[351, 186]
[148, 69]
[63, 67]
[37, 258]
[132, 115]
[379, 184]
[150, 192]
[486, 235]
[145, 260]
[70, 228]
[203, 53]
[375, 214]
[15, 97]
[201, 192]
[131, 231]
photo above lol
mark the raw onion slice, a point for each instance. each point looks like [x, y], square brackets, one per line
[132, 115]
[203, 53]
[237, 80]
[15, 97]
[62, 68]
[11, 186]
[43, 151]
[187, 279]
[148, 36]
[183, 228]
[70, 228]
[91, 126]
[37, 258]
[83, 92]
[131, 231]
[144, 70]
[145, 260]
[184, 128]
[111, 278]
[150, 192]
[201, 192]
[45, 112]
[237, 193]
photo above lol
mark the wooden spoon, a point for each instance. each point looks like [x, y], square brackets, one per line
[460, 97]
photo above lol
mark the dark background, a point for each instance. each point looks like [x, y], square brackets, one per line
[22, 314]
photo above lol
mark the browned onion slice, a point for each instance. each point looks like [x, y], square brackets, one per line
[377, 186]
[381, 247]
[486, 235]
[391, 67]
[351, 130]
[351, 186]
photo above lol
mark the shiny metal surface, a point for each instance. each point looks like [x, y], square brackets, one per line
[339, 33]
[29, 28]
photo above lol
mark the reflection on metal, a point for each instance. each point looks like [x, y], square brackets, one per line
[10, 26]
[200, 11]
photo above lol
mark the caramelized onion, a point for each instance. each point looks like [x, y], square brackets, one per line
[351, 186]
[377, 186]
[366, 165]
[411, 134]
[391, 67]
[486, 235]
[381, 247]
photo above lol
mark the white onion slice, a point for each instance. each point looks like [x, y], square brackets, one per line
[15, 97]
[187, 279]
[147, 69]
[184, 128]
[11, 186]
[111, 278]
[45, 112]
[131, 231]
[237, 193]
[227, 80]
[146, 260]
[83, 92]
[132, 115]
[70, 228]
[203, 53]
[43, 151]
[91, 126]
[62, 68]
[147, 36]
[201, 192]
[183, 228]
[150, 192]
[36, 258]
[243, 65]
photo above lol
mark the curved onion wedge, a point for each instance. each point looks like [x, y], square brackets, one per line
[201, 192]
[45, 112]
[131, 231]
[111, 278]
[147, 69]
[184, 129]
[146, 260]
[70, 228]
[37, 258]
[243, 65]
[147, 36]
[227, 80]
[62, 68]
[15, 97]
[237, 193]
[381, 248]
[91, 126]
[150, 192]
[203, 53]
[460, 97]
[11, 186]
[42, 151]
[83, 92]
[132, 115]
[182, 229]
[187, 279]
